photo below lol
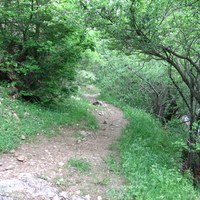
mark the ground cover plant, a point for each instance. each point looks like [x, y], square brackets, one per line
[19, 119]
[150, 160]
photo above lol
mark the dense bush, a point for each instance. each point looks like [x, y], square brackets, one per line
[40, 45]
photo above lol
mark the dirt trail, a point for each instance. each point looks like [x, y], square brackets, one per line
[47, 158]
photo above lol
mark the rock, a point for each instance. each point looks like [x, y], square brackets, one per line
[61, 164]
[12, 151]
[83, 133]
[99, 198]
[78, 141]
[22, 158]
[101, 113]
[23, 137]
[64, 195]
[4, 197]
[78, 192]
[76, 197]
[15, 116]
[10, 167]
[30, 188]
[87, 197]
[98, 103]
[1, 164]
[105, 122]
[24, 175]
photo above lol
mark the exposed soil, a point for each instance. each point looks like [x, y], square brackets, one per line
[47, 158]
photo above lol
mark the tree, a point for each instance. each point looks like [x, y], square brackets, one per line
[39, 46]
[165, 30]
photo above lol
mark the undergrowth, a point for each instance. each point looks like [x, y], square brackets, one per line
[149, 160]
[23, 118]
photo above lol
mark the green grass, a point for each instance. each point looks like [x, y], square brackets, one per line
[79, 164]
[149, 160]
[23, 118]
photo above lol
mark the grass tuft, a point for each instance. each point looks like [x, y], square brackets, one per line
[79, 164]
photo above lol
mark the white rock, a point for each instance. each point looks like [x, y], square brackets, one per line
[24, 175]
[99, 198]
[87, 197]
[10, 167]
[61, 164]
[64, 195]
[76, 197]
[22, 158]
[83, 133]
[23, 137]
[12, 151]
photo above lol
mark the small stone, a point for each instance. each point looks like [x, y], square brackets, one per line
[98, 103]
[78, 192]
[99, 198]
[78, 141]
[12, 151]
[83, 133]
[24, 175]
[23, 137]
[1, 164]
[56, 198]
[16, 116]
[76, 197]
[61, 164]
[87, 197]
[22, 158]
[10, 167]
[64, 195]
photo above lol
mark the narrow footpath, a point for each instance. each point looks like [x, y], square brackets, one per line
[41, 170]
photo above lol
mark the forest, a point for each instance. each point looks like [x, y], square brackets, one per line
[143, 55]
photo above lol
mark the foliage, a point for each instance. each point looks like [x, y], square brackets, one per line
[84, 78]
[40, 45]
[140, 84]
[21, 118]
[160, 30]
[165, 30]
